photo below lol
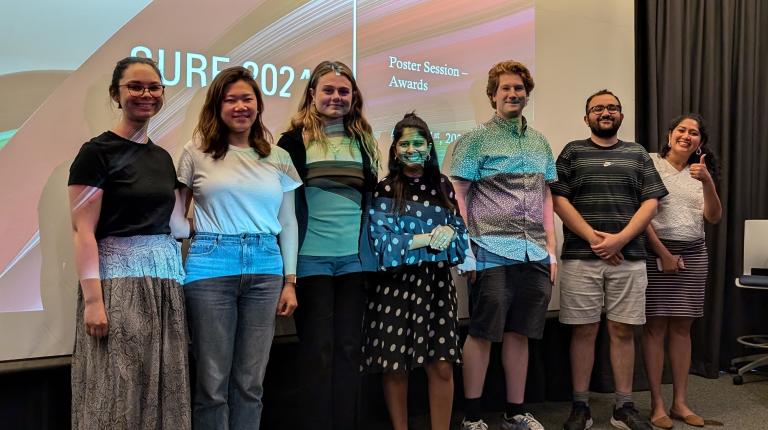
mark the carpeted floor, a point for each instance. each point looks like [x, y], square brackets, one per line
[724, 406]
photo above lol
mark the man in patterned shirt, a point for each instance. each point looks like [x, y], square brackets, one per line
[607, 193]
[501, 172]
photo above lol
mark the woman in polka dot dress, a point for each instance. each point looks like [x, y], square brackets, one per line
[418, 234]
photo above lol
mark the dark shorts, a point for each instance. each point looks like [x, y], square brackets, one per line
[510, 298]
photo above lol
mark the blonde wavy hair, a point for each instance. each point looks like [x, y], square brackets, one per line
[355, 124]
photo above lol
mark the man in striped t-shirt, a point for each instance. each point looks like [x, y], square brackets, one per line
[607, 193]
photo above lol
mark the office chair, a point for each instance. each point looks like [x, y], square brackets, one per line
[755, 277]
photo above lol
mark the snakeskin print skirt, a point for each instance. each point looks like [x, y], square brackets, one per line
[137, 376]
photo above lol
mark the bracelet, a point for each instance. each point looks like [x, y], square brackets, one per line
[289, 279]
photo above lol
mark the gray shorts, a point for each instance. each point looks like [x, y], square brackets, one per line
[586, 286]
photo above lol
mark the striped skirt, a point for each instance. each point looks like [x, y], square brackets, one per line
[678, 294]
[137, 376]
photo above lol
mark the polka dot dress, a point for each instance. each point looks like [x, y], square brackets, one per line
[412, 319]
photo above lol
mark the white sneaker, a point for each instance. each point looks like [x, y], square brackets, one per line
[473, 425]
[528, 421]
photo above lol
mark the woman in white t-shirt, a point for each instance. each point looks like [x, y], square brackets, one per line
[677, 264]
[241, 266]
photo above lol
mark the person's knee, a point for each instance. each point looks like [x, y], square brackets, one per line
[680, 329]
[620, 332]
[655, 328]
[442, 370]
[477, 344]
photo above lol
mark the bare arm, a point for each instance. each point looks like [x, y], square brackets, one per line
[181, 226]
[85, 207]
[549, 229]
[669, 262]
[713, 209]
[573, 220]
[613, 243]
[461, 188]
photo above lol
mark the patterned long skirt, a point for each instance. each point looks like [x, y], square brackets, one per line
[137, 376]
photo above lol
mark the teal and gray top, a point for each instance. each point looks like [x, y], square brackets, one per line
[334, 187]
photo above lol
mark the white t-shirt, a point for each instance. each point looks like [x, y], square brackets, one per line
[240, 193]
[681, 212]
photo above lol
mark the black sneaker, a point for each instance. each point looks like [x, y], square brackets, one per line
[628, 418]
[580, 418]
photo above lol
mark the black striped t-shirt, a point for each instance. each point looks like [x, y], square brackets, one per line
[606, 186]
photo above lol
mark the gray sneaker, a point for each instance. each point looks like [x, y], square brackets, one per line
[473, 425]
[530, 421]
[521, 422]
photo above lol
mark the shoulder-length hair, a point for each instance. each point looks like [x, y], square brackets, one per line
[431, 173]
[211, 129]
[355, 124]
[711, 160]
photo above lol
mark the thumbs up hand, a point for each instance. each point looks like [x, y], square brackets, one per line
[699, 170]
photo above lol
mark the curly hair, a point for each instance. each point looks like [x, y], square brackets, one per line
[507, 67]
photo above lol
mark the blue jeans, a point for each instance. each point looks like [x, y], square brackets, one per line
[231, 323]
[214, 255]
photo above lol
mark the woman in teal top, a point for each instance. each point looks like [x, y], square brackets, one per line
[332, 147]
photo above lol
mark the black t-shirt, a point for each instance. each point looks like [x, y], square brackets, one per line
[138, 182]
[606, 186]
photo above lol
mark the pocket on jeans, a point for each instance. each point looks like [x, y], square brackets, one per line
[201, 247]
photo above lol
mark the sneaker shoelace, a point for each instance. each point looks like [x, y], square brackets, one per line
[532, 423]
[477, 425]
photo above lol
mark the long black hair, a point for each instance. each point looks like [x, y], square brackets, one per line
[431, 173]
[711, 160]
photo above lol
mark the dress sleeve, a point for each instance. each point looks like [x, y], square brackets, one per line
[457, 251]
[186, 168]
[550, 174]
[465, 161]
[562, 187]
[90, 167]
[289, 177]
[653, 186]
[390, 242]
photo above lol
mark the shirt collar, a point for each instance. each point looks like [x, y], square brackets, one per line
[510, 125]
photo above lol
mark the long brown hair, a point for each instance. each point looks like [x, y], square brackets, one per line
[211, 129]
[355, 124]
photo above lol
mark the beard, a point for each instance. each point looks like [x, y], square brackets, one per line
[604, 132]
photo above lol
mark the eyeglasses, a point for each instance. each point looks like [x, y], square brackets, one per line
[137, 90]
[601, 108]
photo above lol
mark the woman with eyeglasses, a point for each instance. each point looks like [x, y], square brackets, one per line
[412, 315]
[241, 266]
[677, 263]
[129, 364]
[332, 146]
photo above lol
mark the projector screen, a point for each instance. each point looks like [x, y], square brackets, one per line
[431, 56]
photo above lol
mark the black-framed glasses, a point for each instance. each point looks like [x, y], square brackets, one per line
[137, 90]
[601, 108]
